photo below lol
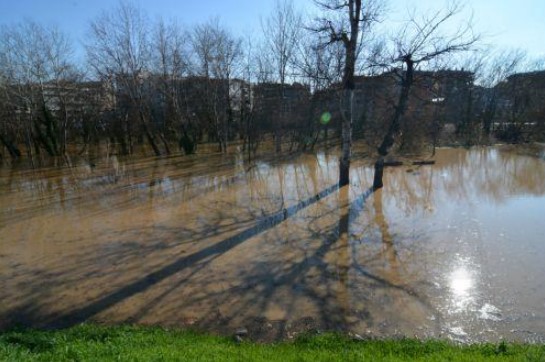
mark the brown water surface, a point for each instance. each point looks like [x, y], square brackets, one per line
[452, 250]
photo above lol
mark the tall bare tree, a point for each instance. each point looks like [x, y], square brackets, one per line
[282, 31]
[349, 28]
[36, 65]
[119, 49]
[170, 64]
[227, 66]
[421, 42]
[217, 56]
[321, 67]
[251, 70]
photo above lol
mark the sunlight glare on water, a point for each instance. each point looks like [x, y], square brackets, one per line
[461, 285]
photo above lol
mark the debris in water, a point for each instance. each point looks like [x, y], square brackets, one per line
[490, 312]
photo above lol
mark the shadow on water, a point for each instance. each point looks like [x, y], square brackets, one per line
[317, 279]
[239, 248]
[83, 314]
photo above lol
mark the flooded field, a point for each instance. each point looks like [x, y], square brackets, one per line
[453, 250]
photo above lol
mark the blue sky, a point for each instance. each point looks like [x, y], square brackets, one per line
[507, 23]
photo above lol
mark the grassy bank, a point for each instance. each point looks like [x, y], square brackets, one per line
[96, 343]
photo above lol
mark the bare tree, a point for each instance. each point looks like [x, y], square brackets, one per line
[521, 97]
[420, 43]
[321, 64]
[262, 63]
[251, 70]
[8, 128]
[64, 76]
[170, 64]
[348, 29]
[217, 56]
[227, 64]
[36, 67]
[492, 68]
[321, 68]
[282, 31]
[119, 49]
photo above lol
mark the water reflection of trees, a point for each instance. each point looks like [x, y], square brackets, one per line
[490, 174]
[484, 174]
[115, 183]
[275, 247]
[274, 244]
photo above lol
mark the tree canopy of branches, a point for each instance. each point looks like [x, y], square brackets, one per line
[152, 85]
[119, 49]
[421, 41]
[36, 63]
[281, 32]
[217, 57]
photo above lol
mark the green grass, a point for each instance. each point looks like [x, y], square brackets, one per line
[124, 343]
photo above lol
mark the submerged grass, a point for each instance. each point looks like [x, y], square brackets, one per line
[126, 343]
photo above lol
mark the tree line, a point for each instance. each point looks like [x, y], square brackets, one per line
[165, 87]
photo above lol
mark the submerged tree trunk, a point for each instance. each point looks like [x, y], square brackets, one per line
[395, 123]
[350, 44]
[379, 172]
[346, 132]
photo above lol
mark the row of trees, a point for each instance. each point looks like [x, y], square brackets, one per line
[151, 82]
[131, 84]
[163, 85]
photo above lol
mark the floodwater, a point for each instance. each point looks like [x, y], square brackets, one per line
[454, 250]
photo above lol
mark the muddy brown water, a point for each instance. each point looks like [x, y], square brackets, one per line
[454, 250]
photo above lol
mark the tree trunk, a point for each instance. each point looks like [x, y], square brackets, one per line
[379, 171]
[395, 123]
[344, 164]
[278, 139]
[49, 137]
[29, 137]
[350, 45]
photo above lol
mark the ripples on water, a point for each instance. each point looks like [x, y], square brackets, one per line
[454, 249]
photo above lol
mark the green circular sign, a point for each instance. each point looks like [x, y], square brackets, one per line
[325, 118]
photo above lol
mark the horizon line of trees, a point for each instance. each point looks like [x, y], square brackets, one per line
[200, 75]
